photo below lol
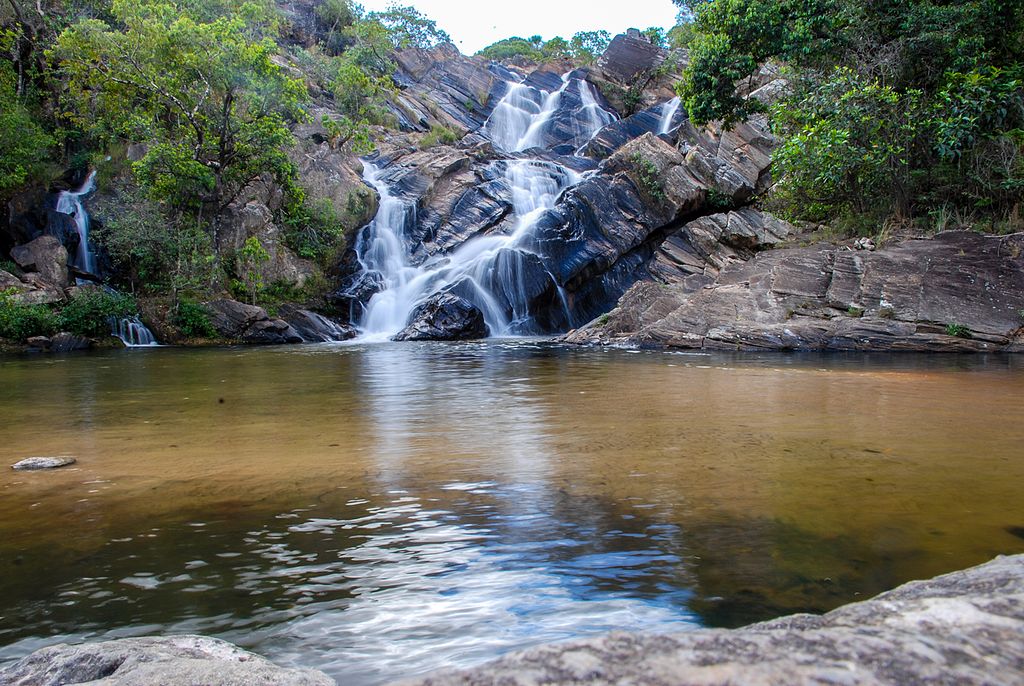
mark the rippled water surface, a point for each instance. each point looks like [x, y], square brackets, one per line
[380, 511]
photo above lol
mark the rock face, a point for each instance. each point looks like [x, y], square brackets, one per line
[170, 661]
[45, 256]
[962, 628]
[249, 324]
[958, 291]
[444, 317]
[31, 464]
[314, 327]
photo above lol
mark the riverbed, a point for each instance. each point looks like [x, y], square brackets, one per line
[380, 510]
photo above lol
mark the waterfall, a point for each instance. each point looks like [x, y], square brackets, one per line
[132, 332]
[502, 274]
[70, 203]
[489, 271]
[668, 113]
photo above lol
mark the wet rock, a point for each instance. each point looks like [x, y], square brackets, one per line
[46, 256]
[65, 342]
[39, 343]
[30, 464]
[962, 628]
[314, 327]
[444, 317]
[956, 292]
[249, 323]
[171, 661]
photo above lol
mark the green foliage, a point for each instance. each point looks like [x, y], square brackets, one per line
[24, 144]
[153, 252]
[90, 311]
[507, 48]
[409, 28]
[846, 143]
[313, 230]
[438, 135]
[18, 322]
[192, 319]
[958, 330]
[250, 258]
[894, 107]
[587, 46]
[656, 35]
[648, 176]
[198, 79]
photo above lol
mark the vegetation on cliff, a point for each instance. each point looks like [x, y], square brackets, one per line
[906, 110]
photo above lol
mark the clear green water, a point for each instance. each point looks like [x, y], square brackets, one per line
[383, 510]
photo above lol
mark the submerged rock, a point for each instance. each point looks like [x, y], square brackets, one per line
[444, 317]
[65, 342]
[171, 661]
[962, 628]
[31, 464]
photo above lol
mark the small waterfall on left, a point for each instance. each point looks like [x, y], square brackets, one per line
[70, 203]
[132, 332]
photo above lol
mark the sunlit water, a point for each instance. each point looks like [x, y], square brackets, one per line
[379, 511]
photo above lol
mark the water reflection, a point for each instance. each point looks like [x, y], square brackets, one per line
[381, 510]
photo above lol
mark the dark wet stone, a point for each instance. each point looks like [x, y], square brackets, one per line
[444, 317]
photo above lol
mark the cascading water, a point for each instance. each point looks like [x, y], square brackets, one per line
[501, 274]
[70, 203]
[668, 113]
[132, 332]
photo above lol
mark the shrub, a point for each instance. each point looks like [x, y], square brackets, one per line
[312, 229]
[958, 330]
[438, 134]
[648, 176]
[192, 320]
[18, 322]
[89, 313]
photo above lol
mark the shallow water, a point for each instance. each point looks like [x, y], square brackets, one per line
[379, 511]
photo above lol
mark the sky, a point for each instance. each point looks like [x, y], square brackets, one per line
[475, 24]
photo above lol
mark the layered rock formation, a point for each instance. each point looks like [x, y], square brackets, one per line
[958, 291]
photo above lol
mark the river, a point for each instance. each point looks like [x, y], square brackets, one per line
[380, 510]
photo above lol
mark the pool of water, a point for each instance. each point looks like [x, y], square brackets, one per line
[379, 511]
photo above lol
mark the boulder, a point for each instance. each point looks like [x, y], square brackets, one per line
[46, 256]
[314, 327]
[65, 342]
[626, 56]
[444, 317]
[30, 464]
[963, 628]
[249, 323]
[957, 292]
[168, 661]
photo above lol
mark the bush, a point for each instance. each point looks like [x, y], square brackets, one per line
[89, 313]
[192, 320]
[648, 177]
[312, 229]
[438, 134]
[18, 322]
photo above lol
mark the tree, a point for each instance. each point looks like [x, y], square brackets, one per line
[250, 258]
[24, 144]
[196, 79]
[409, 28]
[587, 46]
[515, 47]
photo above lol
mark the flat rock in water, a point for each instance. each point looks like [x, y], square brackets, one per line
[36, 463]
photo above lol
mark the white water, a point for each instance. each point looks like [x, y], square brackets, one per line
[70, 203]
[668, 113]
[490, 271]
[132, 332]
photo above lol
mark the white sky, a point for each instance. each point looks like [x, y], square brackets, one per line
[475, 24]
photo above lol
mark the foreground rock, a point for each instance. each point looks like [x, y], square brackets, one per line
[171, 661]
[958, 291]
[445, 317]
[31, 464]
[962, 628]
